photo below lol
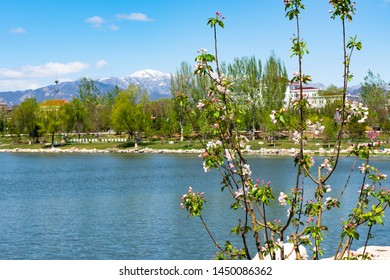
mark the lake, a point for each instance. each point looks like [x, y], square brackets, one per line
[114, 206]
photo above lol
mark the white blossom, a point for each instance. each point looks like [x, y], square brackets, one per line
[229, 155]
[206, 168]
[282, 199]
[246, 170]
[296, 137]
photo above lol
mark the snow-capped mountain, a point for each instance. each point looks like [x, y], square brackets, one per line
[157, 85]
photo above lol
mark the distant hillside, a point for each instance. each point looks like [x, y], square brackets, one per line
[157, 85]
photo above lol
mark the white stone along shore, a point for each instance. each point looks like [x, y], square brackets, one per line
[375, 252]
[262, 151]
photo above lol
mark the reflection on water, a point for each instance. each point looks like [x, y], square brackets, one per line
[76, 206]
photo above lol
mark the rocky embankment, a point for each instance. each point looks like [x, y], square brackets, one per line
[105, 151]
[374, 252]
[262, 151]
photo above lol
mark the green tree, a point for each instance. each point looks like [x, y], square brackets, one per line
[145, 120]
[375, 95]
[89, 95]
[3, 121]
[170, 125]
[25, 118]
[88, 92]
[274, 83]
[105, 107]
[195, 88]
[67, 115]
[355, 130]
[48, 118]
[246, 73]
[273, 91]
[330, 130]
[181, 82]
[157, 110]
[332, 90]
[109, 97]
[334, 97]
[126, 115]
[80, 116]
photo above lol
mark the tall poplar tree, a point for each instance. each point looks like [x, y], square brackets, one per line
[274, 83]
[246, 73]
[89, 95]
[181, 83]
[375, 94]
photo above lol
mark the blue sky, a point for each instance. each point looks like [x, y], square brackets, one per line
[45, 40]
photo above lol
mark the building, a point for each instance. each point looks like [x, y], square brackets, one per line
[3, 107]
[313, 95]
[52, 105]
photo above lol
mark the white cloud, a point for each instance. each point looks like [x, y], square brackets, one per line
[17, 30]
[134, 16]
[10, 73]
[101, 63]
[113, 27]
[32, 77]
[13, 85]
[100, 23]
[36, 76]
[46, 70]
[95, 21]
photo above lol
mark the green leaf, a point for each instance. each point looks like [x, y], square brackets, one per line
[235, 205]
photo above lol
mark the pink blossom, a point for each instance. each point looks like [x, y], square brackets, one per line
[200, 105]
[364, 168]
[221, 89]
[327, 165]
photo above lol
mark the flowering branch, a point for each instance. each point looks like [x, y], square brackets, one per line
[224, 154]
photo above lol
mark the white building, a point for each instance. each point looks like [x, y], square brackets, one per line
[315, 99]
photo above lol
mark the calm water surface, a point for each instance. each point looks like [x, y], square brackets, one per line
[103, 207]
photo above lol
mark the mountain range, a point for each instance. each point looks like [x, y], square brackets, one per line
[156, 83]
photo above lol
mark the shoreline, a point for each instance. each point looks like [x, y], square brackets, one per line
[262, 151]
[374, 252]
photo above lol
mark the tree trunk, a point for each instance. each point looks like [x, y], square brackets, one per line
[52, 140]
[181, 132]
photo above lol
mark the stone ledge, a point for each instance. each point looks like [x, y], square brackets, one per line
[376, 252]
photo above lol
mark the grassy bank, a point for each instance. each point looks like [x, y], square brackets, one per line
[121, 143]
